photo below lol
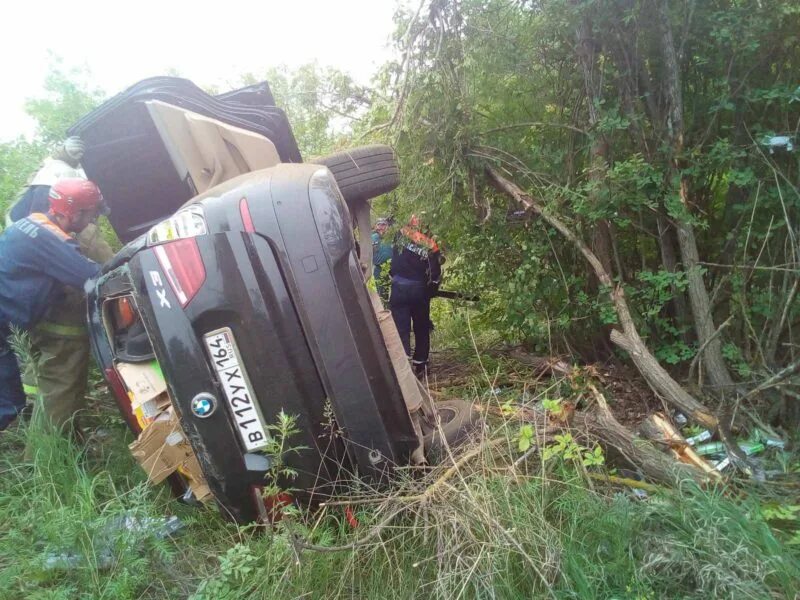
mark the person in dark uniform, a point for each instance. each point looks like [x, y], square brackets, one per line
[38, 256]
[57, 370]
[416, 273]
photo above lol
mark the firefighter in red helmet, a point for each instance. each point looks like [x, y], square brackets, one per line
[38, 257]
[57, 370]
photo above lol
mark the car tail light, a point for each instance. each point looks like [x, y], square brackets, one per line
[270, 508]
[182, 264]
[188, 222]
[124, 313]
[247, 220]
[121, 394]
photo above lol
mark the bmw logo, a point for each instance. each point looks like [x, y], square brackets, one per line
[204, 405]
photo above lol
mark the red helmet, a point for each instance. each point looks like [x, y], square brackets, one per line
[68, 197]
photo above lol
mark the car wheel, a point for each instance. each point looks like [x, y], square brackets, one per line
[457, 420]
[363, 173]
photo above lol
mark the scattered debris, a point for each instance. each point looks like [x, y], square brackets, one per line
[703, 436]
[68, 561]
[702, 454]
[147, 390]
[157, 527]
[774, 142]
[140, 528]
[750, 448]
[769, 440]
[723, 463]
[161, 448]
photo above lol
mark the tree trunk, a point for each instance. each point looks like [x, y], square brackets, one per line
[628, 338]
[628, 80]
[587, 52]
[670, 262]
[778, 322]
[716, 368]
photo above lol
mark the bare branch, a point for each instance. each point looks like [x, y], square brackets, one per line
[404, 69]
[535, 124]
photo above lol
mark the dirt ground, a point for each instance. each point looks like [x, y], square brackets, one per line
[630, 399]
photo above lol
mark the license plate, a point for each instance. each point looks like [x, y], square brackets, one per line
[238, 391]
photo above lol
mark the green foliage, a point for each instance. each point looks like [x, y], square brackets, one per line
[553, 406]
[64, 502]
[280, 475]
[521, 534]
[238, 566]
[525, 438]
[18, 161]
[320, 102]
[781, 511]
[593, 457]
[735, 357]
[563, 446]
[496, 82]
[68, 97]
[500, 83]
[566, 448]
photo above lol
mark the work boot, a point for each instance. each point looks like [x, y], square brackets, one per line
[420, 369]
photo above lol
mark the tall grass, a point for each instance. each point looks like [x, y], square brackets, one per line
[498, 532]
[57, 509]
[482, 524]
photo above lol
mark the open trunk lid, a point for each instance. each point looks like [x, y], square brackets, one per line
[163, 141]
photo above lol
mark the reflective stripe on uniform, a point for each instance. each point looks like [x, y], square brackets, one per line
[30, 390]
[419, 238]
[62, 330]
[42, 220]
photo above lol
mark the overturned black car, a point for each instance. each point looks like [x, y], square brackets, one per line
[240, 295]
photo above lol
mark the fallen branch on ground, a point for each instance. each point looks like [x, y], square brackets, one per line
[626, 481]
[657, 428]
[654, 464]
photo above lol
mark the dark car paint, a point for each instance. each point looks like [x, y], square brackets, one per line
[295, 298]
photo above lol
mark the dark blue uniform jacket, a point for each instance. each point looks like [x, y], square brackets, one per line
[36, 258]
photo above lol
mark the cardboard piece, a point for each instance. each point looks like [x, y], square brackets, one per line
[149, 411]
[197, 482]
[144, 381]
[162, 449]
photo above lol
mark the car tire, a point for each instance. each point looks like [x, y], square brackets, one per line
[457, 421]
[363, 173]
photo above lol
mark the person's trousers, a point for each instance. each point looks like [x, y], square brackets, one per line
[60, 357]
[12, 398]
[411, 309]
